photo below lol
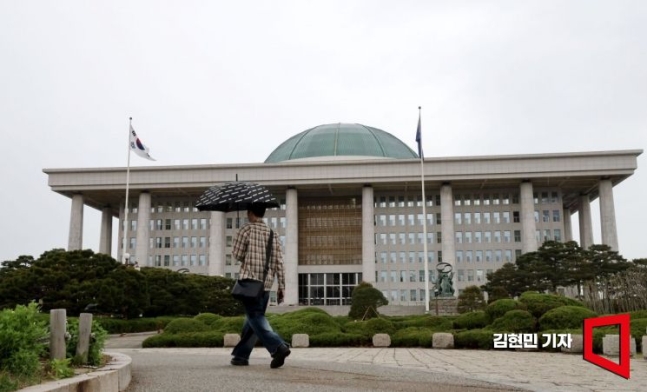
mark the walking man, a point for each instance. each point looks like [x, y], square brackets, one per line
[250, 246]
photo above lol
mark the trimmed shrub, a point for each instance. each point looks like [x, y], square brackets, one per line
[371, 327]
[365, 301]
[412, 337]
[475, 338]
[192, 339]
[334, 339]
[500, 307]
[472, 320]
[229, 324]
[146, 324]
[514, 321]
[538, 304]
[565, 317]
[209, 319]
[310, 321]
[638, 314]
[185, 325]
[436, 323]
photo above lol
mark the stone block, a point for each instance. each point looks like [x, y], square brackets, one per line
[381, 340]
[300, 340]
[611, 346]
[644, 341]
[231, 339]
[442, 340]
[577, 345]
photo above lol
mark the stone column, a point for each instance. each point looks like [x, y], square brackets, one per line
[586, 228]
[217, 244]
[75, 238]
[608, 215]
[568, 227]
[447, 229]
[143, 230]
[105, 240]
[528, 225]
[368, 235]
[291, 257]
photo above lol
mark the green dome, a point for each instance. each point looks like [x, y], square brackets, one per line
[337, 140]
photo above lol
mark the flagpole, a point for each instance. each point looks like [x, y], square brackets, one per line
[424, 214]
[124, 258]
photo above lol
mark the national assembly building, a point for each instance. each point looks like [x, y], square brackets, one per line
[351, 210]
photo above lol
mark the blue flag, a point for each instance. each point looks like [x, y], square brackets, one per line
[419, 139]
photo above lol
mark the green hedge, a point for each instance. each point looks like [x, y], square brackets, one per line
[333, 339]
[538, 304]
[472, 320]
[565, 317]
[370, 327]
[191, 339]
[500, 307]
[436, 323]
[412, 337]
[209, 319]
[311, 321]
[118, 326]
[184, 325]
[476, 338]
[514, 321]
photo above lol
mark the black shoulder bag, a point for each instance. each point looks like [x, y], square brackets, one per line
[248, 289]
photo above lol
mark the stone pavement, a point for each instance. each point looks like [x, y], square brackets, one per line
[533, 371]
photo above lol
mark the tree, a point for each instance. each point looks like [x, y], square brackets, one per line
[512, 279]
[365, 301]
[81, 279]
[471, 299]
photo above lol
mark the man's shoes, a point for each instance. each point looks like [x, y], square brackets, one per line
[239, 362]
[278, 359]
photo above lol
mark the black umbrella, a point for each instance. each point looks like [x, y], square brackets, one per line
[235, 196]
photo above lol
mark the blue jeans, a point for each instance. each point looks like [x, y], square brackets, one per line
[256, 327]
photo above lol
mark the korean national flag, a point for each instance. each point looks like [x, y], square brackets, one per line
[137, 146]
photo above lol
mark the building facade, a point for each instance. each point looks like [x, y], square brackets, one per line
[351, 210]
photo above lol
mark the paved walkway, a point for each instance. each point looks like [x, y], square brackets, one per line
[531, 371]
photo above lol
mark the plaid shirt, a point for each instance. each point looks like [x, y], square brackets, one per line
[250, 247]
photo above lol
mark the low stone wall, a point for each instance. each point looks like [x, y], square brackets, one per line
[611, 346]
[114, 377]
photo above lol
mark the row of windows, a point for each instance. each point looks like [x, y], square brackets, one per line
[488, 256]
[406, 238]
[177, 260]
[381, 220]
[409, 256]
[469, 199]
[229, 240]
[406, 201]
[466, 237]
[171, 242]
[412, 276]
[472, 275]
[174, 224]
[462, 218]
[413, 295]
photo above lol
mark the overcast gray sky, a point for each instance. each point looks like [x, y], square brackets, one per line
[211, 82]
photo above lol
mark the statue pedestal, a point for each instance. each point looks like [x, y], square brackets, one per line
[443, 306]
